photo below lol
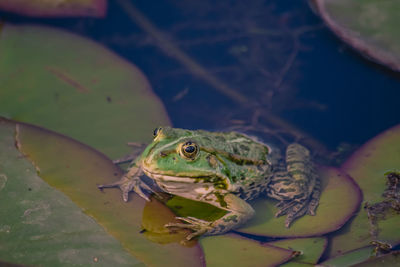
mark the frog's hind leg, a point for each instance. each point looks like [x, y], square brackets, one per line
[296, 184]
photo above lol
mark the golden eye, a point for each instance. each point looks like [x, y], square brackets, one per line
[156, 131]
[189, 150]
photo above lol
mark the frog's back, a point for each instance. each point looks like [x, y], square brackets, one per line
[250, 169]
[233, 143]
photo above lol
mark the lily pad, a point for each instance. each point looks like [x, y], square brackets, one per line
[368, 166]
[185, 207]
[40, 226]
[340, 199]
[72, 85]
[369, 26]
[391, 259]
[63, 8]
[350, 258]
[74, 169]
[155, 217]
[241, 251]
[311, 249]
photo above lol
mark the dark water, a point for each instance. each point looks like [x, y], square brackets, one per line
[278, 54]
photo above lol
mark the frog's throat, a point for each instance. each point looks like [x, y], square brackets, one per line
[206, 178]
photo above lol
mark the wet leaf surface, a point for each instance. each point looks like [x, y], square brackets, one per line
[391, 259]
[340, 199]
[311, 249]
[69, 84]
[350, 258]
[369, 26]
[155, 216]
[235, 250]
[41, 226]
[368, 166]
[63, 8]
[186, 207]
[74, 169]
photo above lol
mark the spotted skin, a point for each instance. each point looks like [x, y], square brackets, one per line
[224, 169]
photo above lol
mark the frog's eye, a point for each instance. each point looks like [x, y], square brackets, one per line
[189, 150]
[156, 131]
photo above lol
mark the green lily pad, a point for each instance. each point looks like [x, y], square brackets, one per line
[340, 199]
[74, 169]
[185, 207]
[40, 226]
[369, 26]
[69, 84]
[65, 8]
[391, 259]
[368, 166]
[311, 249]
[350, 258]
[155, 217]
[235, 250]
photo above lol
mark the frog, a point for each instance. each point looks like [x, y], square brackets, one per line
[226, 170]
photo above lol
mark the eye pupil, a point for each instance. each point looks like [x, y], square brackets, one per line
[190, 149]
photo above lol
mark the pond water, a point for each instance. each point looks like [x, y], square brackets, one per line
[278, 54]
[255, 65]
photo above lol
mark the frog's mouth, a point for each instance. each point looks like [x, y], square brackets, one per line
[184, 186]
[165, 180]
[158, 177]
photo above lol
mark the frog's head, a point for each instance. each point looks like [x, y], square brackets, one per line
[176, 156]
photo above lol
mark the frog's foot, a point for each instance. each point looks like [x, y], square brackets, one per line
[293, 209]
[314, 198]
[128, 184]
[298, 207]
[199, 226]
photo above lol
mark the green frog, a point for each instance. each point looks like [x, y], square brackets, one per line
[224, 169]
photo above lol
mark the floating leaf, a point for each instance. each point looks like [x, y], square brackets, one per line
[76, 87]
[350, 258]
[155, 217]
[185, 207]
[56, 8]
[41, 226]
[311, 249]
[391, 259]
[235, 250]
[368, 166]
[340, 199]
[369, 26]
[74, 169]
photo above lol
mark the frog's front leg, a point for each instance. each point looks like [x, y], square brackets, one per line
[296, 184]
[130, 181]
[238, 212]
